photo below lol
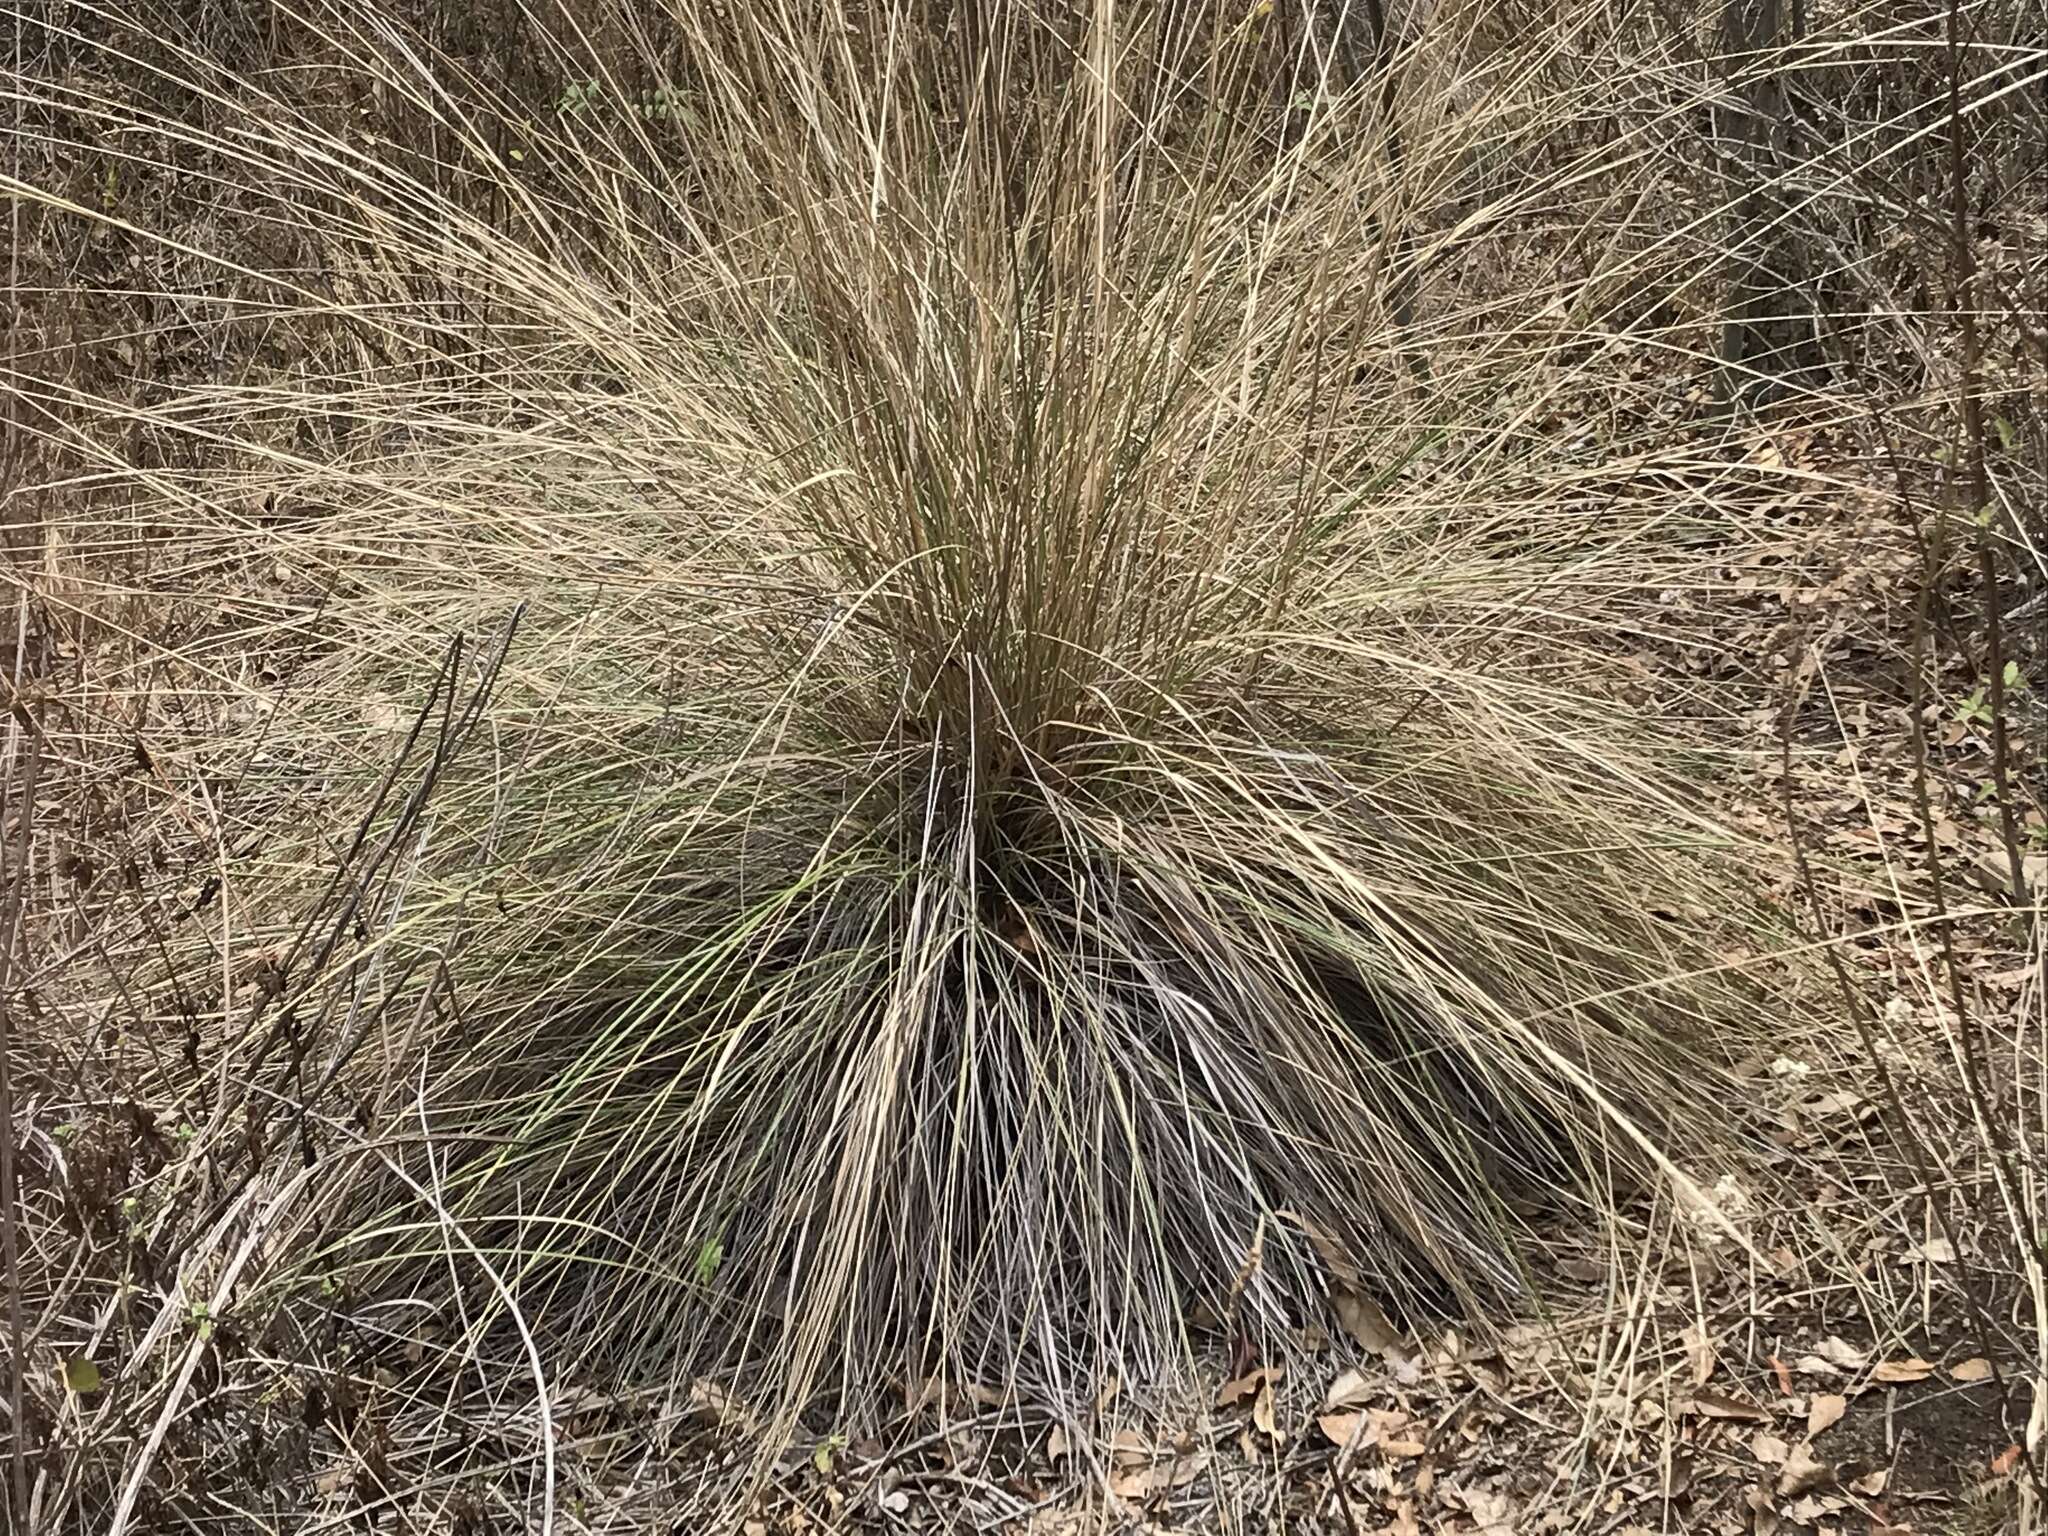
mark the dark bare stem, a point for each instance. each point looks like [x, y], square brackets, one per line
[14, 881]
[1963, 262]
[1974, 1073]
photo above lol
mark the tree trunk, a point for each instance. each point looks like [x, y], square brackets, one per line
[1766, 332]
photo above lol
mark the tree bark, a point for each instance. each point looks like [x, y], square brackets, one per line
[1766, 337]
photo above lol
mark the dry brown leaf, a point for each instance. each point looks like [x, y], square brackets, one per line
[1262, 1408]
[1338, 1428]
[1936, 1250]
[1769, 1449]
[1490, 1370]
[1828, 1105]
[1107, 1395]
[1810, 1509]
[1842, 1353]
[1492, 1513]
[1362, 1318]
[1871, 1484]
[1977, 1368]
[1141, 1483]
[1130, 1447]
[1762, 1508]
[1249, 1385]
[1718, 1405]
[1327, 1248]
[1699, 1352]
[1056, 1445]
[1803, 1472]
[1824, 1412]
[1353, 1389]
[725, 1408]
[1676, 1481]
[2006, 1460]
[1896, 1371]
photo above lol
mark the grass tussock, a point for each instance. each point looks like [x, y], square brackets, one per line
[1059, 732]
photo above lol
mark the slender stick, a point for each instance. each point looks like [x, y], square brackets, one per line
[1963, 258]
[14, 880]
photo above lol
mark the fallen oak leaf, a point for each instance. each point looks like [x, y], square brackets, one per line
[1247, 1386]
[1803, 1472]
[1769, 1449]
[1896, 1372]
[1493, 1514]
[725, 1409]
[1362, 1318]
[1763, 1509]
[1824, 1412]
[1263, 1418]
[1338, 1428]
[1977, 1368]
[1142, 1483]
[1841, 1353]
[1676, 1480]
[1353, 1389]
[1811, 1508]
[1130, 1448]
[1387, 1428]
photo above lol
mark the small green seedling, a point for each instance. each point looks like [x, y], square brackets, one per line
[828, 1452]
[710, 1258]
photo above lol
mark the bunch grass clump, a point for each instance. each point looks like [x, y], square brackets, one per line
[1047, 751]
